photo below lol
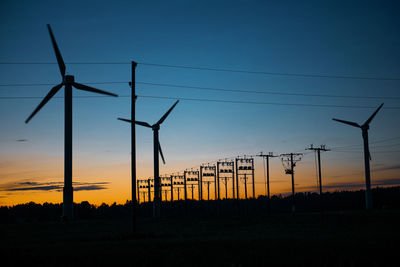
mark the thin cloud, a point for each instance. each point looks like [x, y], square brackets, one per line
[37, 188]
[353, 185]
[387, 168]
[89, 188]
[52, 186]
[22, 140]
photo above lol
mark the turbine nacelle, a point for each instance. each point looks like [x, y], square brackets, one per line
[364, 127]
[69, 79]
[155, 127]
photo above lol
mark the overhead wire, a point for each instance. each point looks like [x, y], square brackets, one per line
[211, 100]
[191, 67]
[215, 89]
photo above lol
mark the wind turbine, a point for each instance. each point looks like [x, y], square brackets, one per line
[367, 154]
[157, 149]
[68, 81]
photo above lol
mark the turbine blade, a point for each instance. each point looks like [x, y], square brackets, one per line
[159, 149]
[46, 99]
[348, 122]
[121, 119]
[373, 115]
[167, 113]
[91, 89]
[60, 60]
[142, 123]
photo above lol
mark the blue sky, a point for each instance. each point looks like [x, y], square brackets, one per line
[344, 38]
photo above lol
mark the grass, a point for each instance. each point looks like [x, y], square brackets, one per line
[336, 239]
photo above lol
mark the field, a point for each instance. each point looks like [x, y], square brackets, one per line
[350, 238]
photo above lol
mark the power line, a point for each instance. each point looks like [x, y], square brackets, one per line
[211, 100]
[305, 75]
[359, 152]
[266, 92]
[375, 142]
[273, 73]
[216, 89]
[49, 84]
[359, 146]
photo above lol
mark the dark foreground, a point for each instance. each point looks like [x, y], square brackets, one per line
[356, 238]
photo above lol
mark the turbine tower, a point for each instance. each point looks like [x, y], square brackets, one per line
[157, 150]
[68, 82]
[367, 155]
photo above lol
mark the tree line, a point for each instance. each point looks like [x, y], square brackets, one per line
[384, 198]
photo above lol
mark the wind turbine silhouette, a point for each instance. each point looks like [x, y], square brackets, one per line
[156, 150]
[367, 154]
[67, 81]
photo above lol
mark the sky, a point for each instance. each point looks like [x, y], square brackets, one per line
[281, 51]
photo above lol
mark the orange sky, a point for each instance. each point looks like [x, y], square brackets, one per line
[118, 186]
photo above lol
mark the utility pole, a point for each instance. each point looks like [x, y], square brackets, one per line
[184, 182]
[290, 160]
[218, 179]
[215, 183]
[149, 189]
[266, 158]
[172, 189]
[225, 182]
[245, 186]
[133, 145]
[233, 181]
[138, 192]
[252, 175]
[318, 151]
[208, 190]
[200, 184]
[237, 178]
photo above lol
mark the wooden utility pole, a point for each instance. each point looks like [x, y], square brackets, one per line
[237, 178]
[318, 151]
[172, 189]
[149, 189]
[245, 186]
[133, 146]
[218, 180]
[184, 182]
[252, 177]
[138, 192]
[291, 159]
[266, 158]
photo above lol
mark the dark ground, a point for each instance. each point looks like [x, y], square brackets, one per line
[347, 238]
